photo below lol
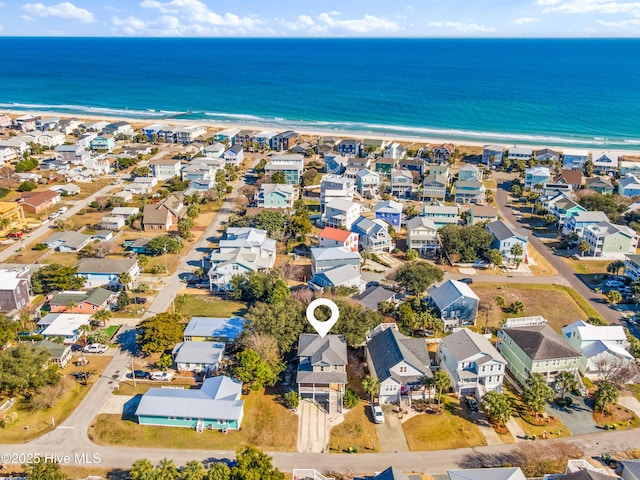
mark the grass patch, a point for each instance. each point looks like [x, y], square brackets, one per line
[635, 389]
[68, 259]
[208, 306]
[111, 330]
[618, 418]
[590, 267]
[562, 305]
[357, 430]
[267, 424]
[442, 431]
[127, 388]
[535, 426]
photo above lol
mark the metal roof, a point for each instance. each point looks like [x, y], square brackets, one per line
[215, 327]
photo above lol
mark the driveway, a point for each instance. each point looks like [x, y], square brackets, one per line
[577, 418]
[390, 433]
[313, 431]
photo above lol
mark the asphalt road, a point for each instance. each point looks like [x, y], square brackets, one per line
[564, 270]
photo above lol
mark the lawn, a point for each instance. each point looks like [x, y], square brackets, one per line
[266, 424]
[590, 267]
[208, 306]
[635, 389]
[34, 423]
[618, 417]
[68, 259]
[357, 430]
[532, 426]
[126, 387]
[442, 431]
[111, 330]
[560, 307]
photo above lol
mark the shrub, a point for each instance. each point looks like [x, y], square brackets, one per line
[8, 420]
[47, 396]
[4, 192]
[351, 398]
[26, 186]
[39, 246]
[292, 398]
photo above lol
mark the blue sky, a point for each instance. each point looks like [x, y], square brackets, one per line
[322, 18]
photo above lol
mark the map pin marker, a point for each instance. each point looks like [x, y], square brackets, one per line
[322, 327]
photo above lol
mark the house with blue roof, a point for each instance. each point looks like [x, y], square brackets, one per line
[213, 329]
[455, 303]
[391, 212]
[216, 405]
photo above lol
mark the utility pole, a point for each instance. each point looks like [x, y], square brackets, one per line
[133, 372]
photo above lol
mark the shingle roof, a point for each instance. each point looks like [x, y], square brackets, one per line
[483, 211]
[389, 206]
[218, 398]
[502, 231]
[447, 293]
[464, 344]
[541, 342]
[374, 296]
[328, 351]
[106, 265]
[390, 347]
[97, 296]
[421, 221]
[55, 349]
[508, 473]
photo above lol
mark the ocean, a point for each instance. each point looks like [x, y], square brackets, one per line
[568, 92]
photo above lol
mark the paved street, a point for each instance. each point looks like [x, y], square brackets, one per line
[564, 270]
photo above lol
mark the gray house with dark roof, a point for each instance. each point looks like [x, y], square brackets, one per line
[504, 239]
[631, 470]
[399, 363]
[535, 349]
[374, 295]
[322, 369]
[455, 303]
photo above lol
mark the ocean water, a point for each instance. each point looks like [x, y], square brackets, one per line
[558, 92]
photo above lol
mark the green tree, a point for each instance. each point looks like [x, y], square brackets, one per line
[278, 177]
[350, 399]
[143, 261]
[55, 277]
[417, 276]
[26, 165]
[427, 382]
[565, 381]
[284, 321]
[193, 210]
[355, 321]
[164, 362]
[615, 267]
[517, 251]
[495, 257]
[184, 227]
[64, 225]
[219, 471]
[308, 177]
[166, 470]
[221, 184]
[125, 280]
[43, 470]
[142, 470]
[583, 247]
[8, 331]
[193, 470]
[272, 222]
[497, 407]
[27, 186]
[122, 301]
[606, 394]
[371, 385]
[611, 205]
[411, 255]
[254, 370]
[142, 171]
[441, 382]
[24, 369]
[516, 190]
[99, 336]
[252, 464]
[102, 316]
[165, 243]
[465, 243]
[160, 332]
[292, 398]
[614, 297]
[536, 393]
[588, 168]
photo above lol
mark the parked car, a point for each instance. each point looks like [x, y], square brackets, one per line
[54, 215]
[468, 281]
[161, 376]
[614, 284]
[81, 375]
[472, 403]
[378, 416]
[18, 234]
[95, 348]
[62, 209]
[139, 374]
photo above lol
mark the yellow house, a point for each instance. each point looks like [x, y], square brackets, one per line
[13, 214]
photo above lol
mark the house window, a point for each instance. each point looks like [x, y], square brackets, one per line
[403, 369]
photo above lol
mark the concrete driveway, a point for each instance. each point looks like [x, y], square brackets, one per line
[577, 418]
[390, 433]
[313, 431]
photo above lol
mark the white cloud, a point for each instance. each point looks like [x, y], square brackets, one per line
[27, 18]
[329, 23]
[623, 24]
[523, 20]
[590, 6]
[197, 12]
[64, 10]
[462, 27]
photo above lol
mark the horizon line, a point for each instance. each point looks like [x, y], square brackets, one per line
[129, 37]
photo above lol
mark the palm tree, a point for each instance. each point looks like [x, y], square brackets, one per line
[427, 383]
[124, 279]
[441, 381]
[84, 329]
[371, 385]
[99, 336]
[497, 407]
[142, 470]
[193, 470]
[166, 470]
[583, 247]
[606, 394]
[102, 316]
[517, 251]
[566, 381]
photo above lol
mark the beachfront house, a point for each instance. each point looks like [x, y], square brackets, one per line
[422, 235]
[472, 362]
[291, 165]
[609, 240]
[574, 159]
[401, 183]
[349, 148]
[368, 183]
[434, 188]
[492, 155]
[469, 192]
[322, 369]
[536, 177]
[605, 163]
[336, 237]
[217, 405]
[373, 235]
[530, 346]
[520, 153]
[118, 128]
[390, 211]
[394, 151]
[505, 238]
[263, 139]
[442, 153]
[470, 173]
[399, 363]
[284, 141]
[601, 347]
[455, 303]
[340, 213]
[547, 155]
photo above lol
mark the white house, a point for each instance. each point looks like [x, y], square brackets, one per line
[165, 168]
[341, 213]
[234, 156]
[602, 347]
[604, 163]
[422, 235]
[197, 356]
[472, 362]
[520, 153]
[335, 186]
[65, 325]
[395, 151]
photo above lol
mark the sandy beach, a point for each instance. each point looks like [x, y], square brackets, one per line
[138, 122]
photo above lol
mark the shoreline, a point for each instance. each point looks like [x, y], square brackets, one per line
[305, 131]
